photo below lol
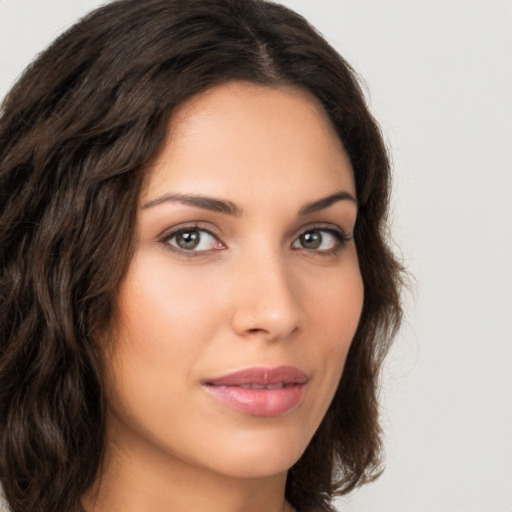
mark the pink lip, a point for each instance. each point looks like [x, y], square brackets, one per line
[275, 391]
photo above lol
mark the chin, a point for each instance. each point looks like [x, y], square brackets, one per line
[259, 454]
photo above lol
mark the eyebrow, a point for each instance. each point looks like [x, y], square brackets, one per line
[204, 202]
[325, 202]
[229, 208]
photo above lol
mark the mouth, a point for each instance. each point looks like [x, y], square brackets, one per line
[281, 385]
[260, 391]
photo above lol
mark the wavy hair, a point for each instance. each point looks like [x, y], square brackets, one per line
[77, 133]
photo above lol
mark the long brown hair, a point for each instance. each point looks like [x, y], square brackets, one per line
[76, 134]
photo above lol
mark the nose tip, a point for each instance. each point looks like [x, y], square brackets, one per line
[266, 305]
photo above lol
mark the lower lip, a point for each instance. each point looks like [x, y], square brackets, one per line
[259, 402]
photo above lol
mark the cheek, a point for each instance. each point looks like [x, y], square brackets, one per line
[165, 321]
[160, 307]
[337, 311]
[336, 305]
[333, 306]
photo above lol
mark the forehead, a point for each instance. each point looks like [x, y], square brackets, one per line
[238, 138]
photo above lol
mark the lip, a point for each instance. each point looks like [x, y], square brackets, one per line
[260, 391]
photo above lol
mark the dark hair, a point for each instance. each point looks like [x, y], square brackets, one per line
[77, 132]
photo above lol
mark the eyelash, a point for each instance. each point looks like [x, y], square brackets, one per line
[340, 236]
[166, 238]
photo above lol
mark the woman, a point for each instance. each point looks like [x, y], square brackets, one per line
[196, 290]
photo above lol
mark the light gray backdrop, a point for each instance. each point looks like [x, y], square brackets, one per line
[439, 77]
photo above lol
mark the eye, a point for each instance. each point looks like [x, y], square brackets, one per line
[321, 240]
[193, 240]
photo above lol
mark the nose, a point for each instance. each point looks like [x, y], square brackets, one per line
[266, 302]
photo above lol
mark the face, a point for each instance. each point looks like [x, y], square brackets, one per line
[240, 304]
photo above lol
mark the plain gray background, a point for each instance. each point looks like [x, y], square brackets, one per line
[439, 79]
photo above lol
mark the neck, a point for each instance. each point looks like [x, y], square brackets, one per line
[143, 479]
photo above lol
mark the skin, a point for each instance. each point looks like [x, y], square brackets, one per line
[253, 293]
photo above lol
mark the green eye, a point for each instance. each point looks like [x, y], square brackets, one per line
[193, 240]
[311, 239]
[321, 240]
[188, 240]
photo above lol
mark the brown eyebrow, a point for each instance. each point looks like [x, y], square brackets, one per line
[229, 208]
[206, 203]
[325, 202]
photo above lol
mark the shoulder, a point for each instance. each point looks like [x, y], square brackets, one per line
[4, 507]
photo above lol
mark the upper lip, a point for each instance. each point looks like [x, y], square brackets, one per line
[261, 376]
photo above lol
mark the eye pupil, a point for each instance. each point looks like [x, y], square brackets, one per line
[311, 240]
[188, 239]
